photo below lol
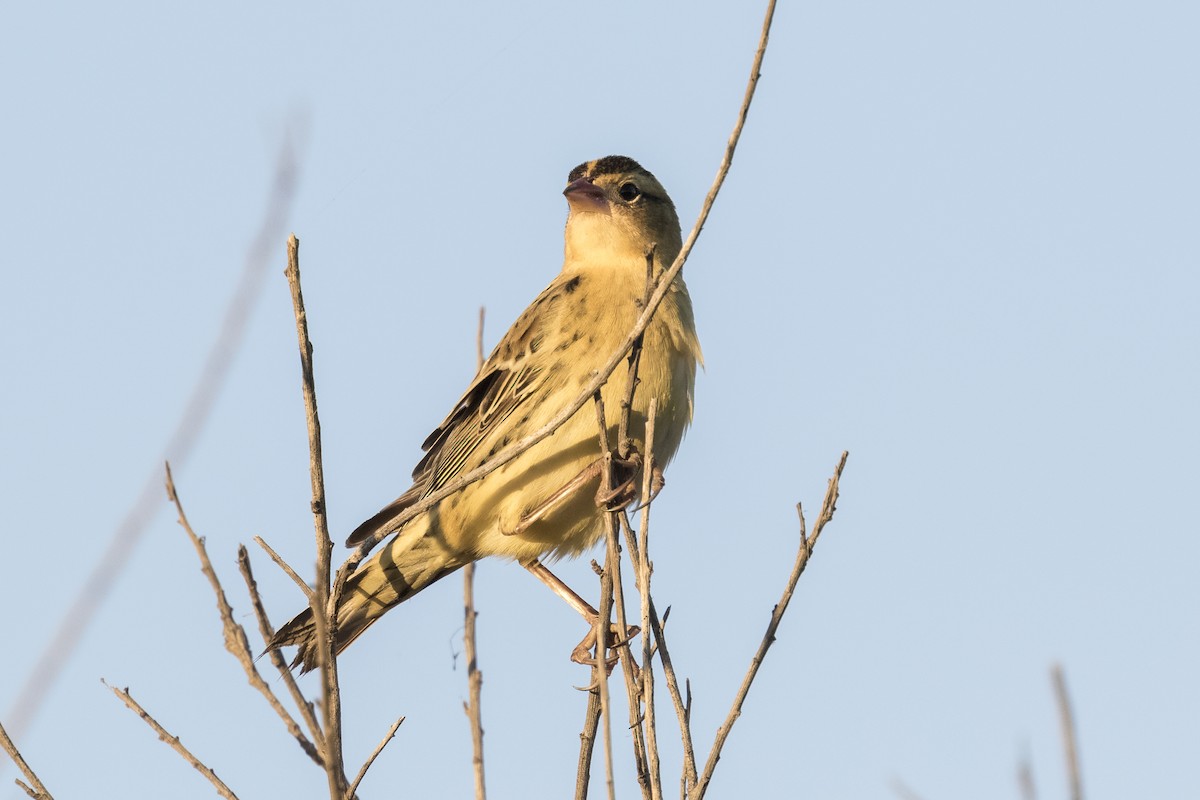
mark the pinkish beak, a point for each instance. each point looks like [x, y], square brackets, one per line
[585, 196]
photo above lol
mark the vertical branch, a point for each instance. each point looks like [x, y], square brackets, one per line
[1067, 719]
[324, 604]
[600, 669]
[642, 563]
[1025, 779]
[603, 627]
[474, 676]
[587, 743]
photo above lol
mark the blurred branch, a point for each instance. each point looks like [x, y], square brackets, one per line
[37, 789]
[179, 448]
[235, 635]
[1025, 779]
[1067, 719]
[173, 742]
[828, 506]
[900, 788]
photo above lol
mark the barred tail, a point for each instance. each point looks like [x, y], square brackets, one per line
[406, 565]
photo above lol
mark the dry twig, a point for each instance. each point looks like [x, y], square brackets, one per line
[641, 558]
[286, 567]
[235, 635]
[323, 601]
[362, 773]
[828, 506]
[474, 676]
[268, 633]
[37, 789]
[173, 742]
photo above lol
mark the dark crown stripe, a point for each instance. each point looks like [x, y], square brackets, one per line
[609, 165]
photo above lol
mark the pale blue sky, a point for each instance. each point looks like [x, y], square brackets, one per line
[958, 240]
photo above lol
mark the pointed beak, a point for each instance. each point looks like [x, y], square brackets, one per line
[585, 196]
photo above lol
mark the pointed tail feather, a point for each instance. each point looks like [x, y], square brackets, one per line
[406, 565]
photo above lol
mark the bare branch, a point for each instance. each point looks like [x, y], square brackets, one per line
[235, 635]
[474, 676]
[286, 567]
[172, 741]
[642, 563]
[268, 633]
[587, 743]
[602, 627]
[1067, 719]
[683, 709]
[828, 506]
[362, 773]
[38, 790]
[324, 604]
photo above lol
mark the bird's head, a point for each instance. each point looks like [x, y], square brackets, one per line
[618, 209]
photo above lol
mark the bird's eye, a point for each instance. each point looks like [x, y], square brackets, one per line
[629, 192]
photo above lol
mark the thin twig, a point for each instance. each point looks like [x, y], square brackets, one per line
[587, 743]
[205, 392]
[1067, 719]
[38, 790]
[616, 519]
[323, 603]
[172, 741]
[600, 670]
[474, 681]
[603, 626]
[642, 562]
[474, 676]
[236, 641]
[828, 506]
[268, 633]
[362, 773]
[683, 708]
[286, 567]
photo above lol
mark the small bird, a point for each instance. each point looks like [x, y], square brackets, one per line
[546, 503]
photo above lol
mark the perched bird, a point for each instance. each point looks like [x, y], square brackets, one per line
[546, 502]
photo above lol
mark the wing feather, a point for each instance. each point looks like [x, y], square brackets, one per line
[510, 377]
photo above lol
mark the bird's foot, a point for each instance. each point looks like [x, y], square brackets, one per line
[625, 482]
[584, 652]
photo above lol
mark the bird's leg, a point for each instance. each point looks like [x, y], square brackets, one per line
[582, 652]
[589, 473]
